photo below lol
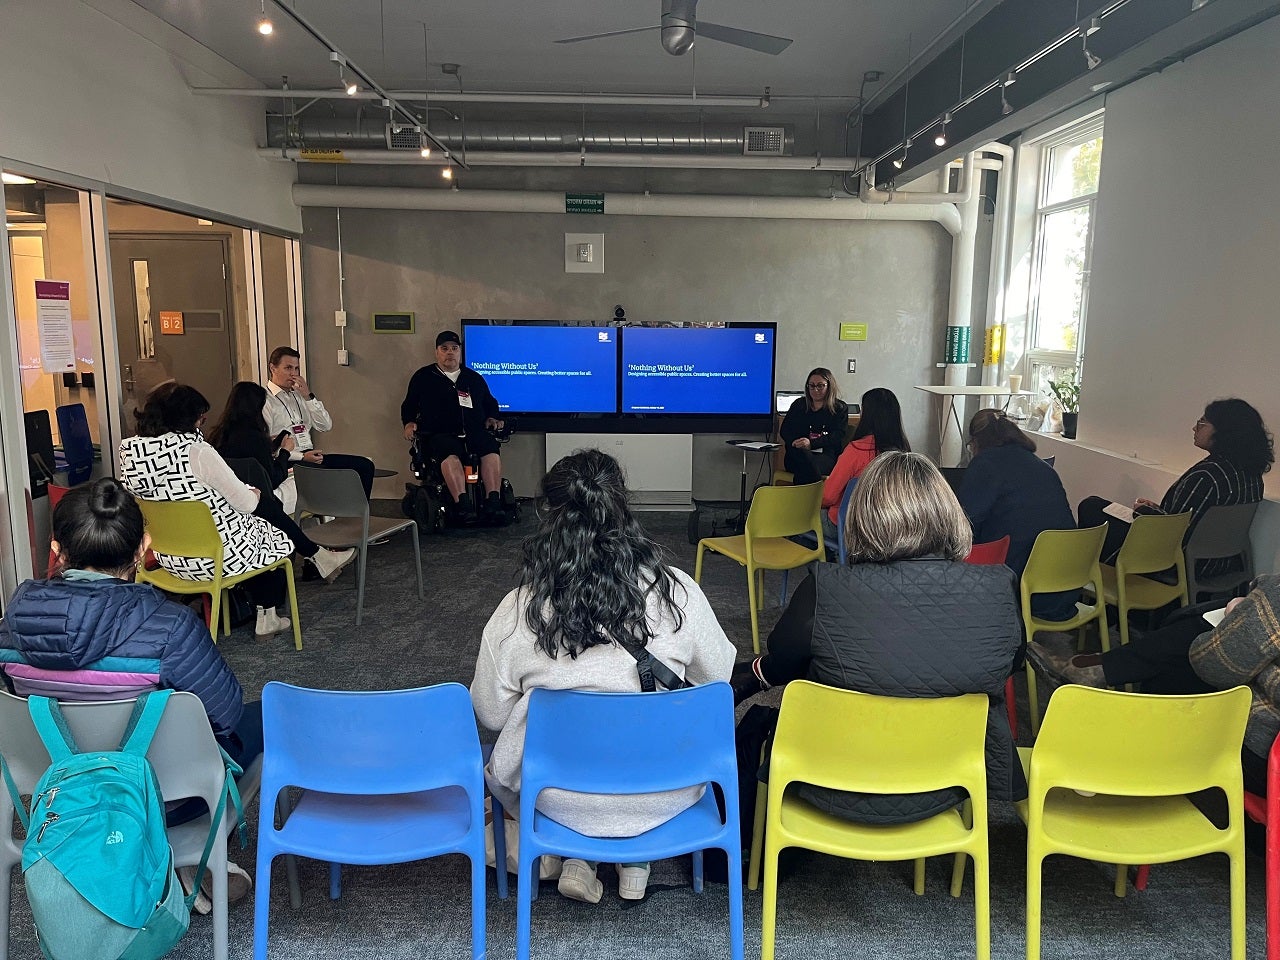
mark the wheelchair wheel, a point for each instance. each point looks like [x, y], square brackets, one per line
[428, 512]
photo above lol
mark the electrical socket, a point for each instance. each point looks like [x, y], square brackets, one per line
[339, 318]
[344, 358]
[853, 366]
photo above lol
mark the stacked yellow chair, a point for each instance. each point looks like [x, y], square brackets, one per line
[901, 746]
[1109, 780]
[1062, 560]
[1154, 544]
[185, 528]
[776, 513]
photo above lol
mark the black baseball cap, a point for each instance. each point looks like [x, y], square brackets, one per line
[448, 336]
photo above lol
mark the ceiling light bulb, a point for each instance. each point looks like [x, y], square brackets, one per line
[941, 139]
[425, 151]
[352, 88]
[447, 172]
[897, 163]
[265, 26]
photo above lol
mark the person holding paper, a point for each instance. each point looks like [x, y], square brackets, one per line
[813, 429]
[1190, 654]
[1240, 451]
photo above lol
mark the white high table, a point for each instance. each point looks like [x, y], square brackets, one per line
[947, 413]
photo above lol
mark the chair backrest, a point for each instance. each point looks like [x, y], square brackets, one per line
[842, 515]
[184, 753]
[903, 745]
[989, 554]
[1050, 460]
[330, 493]
[182, 528]
[1154, 543]
[1170, 745]
[1064, 560]
[368, 742]
[1223, 531]
[625, 743]
[786, 511]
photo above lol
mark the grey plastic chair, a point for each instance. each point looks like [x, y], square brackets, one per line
[187, 762]
[339, 494]
[1222, 532]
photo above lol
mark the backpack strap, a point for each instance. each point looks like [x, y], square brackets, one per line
[14, 795]
[52, 727]
[232, 791]
[143, 722]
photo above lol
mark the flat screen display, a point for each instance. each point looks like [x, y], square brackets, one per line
[698, 370]
[545, 368]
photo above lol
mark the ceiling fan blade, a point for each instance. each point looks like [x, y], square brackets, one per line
[612, 33]
[762, 42]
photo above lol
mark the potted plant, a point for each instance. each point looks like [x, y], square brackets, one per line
[1067, 392]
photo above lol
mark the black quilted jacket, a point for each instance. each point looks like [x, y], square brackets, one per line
[913, 628]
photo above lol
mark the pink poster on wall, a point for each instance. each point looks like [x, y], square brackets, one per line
[53, 320]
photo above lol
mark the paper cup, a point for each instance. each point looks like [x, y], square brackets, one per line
[1015, 382]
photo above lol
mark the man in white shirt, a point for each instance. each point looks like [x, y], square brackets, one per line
[293, 409]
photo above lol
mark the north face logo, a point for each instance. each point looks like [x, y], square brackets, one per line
[115, 836]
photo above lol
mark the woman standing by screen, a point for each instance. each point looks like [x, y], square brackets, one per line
[813, 429]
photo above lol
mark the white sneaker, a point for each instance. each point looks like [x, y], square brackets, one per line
[329, 563]
[632, 881]
[270, 623]
[578, 881]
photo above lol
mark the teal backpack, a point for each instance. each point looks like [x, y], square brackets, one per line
[97, 862]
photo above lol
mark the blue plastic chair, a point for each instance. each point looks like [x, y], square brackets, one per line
[841, 549]
[386, 777]
[627, 743]
[77, 444]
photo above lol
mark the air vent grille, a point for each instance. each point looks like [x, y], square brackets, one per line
[763, 141]
[403, 137]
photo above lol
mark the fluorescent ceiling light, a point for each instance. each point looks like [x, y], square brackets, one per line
[15, 178]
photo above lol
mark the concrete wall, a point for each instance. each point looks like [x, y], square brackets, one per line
[116, 109]
[806, 275]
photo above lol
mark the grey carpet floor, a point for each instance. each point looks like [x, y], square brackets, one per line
[830, 908]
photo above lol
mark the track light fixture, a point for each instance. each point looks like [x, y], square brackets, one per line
[1095, 24]
[1010, 79]
[1091, 60]
[265, 26]
[941, 139]
[350, 86]
[900, 162]
[447, 172]
[426, 150]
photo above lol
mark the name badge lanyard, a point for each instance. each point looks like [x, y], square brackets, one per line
[298, 424]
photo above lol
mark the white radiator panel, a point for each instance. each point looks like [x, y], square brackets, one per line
[659, 467]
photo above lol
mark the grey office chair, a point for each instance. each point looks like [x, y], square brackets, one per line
[187, 762]
[339, 494]
[1222, 532]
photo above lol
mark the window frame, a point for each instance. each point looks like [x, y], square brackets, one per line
[1036, 358]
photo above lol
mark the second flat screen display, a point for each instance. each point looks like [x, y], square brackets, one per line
[697, 370]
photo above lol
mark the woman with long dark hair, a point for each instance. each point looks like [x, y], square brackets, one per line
[593, 587]
[879, 429]
[169, 460]
[1009, 491]
[907, 617]
[1239, 450]
[240, 436]
[813, 429]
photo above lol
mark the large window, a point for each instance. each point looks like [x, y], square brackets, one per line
[1064, 218]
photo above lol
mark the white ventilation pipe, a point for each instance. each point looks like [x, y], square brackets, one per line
[959, 317]
[624, 204]
[998, 272]
[869, 193]
[519, 158]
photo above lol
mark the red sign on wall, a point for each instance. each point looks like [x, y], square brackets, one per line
[171, 321]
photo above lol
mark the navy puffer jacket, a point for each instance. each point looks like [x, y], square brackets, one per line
[106, 634]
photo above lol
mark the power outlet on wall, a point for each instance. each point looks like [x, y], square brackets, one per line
[853, 366]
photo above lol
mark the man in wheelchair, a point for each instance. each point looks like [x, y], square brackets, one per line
[453, 421]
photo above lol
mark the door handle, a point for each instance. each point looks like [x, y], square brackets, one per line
[128, 378]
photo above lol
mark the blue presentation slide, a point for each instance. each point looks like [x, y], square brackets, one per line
[697, 370]
[533, 369]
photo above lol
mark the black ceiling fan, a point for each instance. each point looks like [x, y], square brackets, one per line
[680, 26]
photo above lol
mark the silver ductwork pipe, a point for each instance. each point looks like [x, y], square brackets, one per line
[525, 136]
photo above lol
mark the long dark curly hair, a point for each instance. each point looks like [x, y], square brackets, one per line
[1239, 435]
[589, 569]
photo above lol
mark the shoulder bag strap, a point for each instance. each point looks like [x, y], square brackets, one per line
[651, 668]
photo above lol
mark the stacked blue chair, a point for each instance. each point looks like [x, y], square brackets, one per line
[673, 739]
[386, 777]
[77, 444]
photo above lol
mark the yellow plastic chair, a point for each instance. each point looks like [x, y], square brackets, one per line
[1154, 543]
[776, 513]
[897, 745]
[185, 528]
[1100, 795]
[1062, 560]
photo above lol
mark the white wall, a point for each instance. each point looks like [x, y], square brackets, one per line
[1186, 253]
[87, 94]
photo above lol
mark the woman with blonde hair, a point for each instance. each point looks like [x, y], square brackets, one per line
[907, 617]
[813, 429]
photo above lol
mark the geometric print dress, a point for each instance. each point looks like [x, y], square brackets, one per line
[159, 468]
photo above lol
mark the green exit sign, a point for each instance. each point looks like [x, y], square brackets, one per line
[853, 331]
[584, 203]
